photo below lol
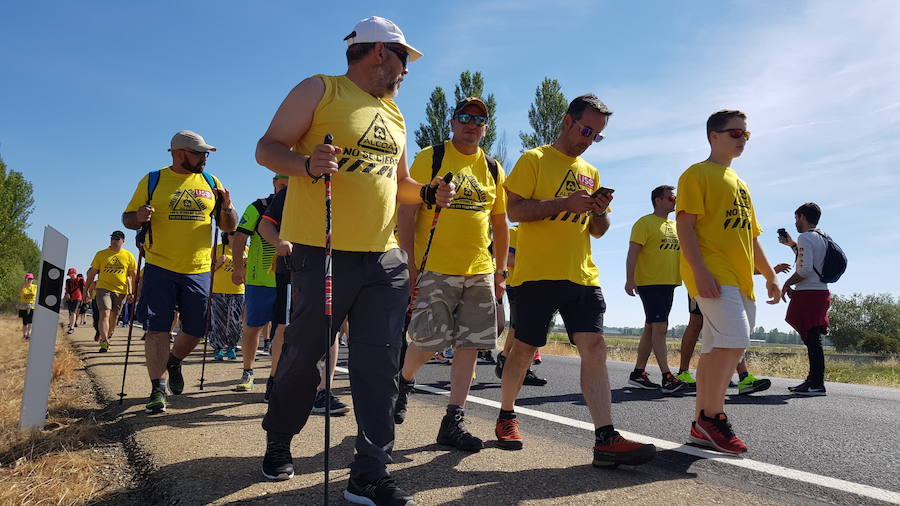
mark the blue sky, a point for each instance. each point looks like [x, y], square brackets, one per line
[93, 91]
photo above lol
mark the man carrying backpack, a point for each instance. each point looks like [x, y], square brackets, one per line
[176, 206]
[810, 299]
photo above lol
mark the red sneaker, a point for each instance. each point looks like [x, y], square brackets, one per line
[717, 431]
[537, 358]
[698, 437]
[508, 435]
[618, 450]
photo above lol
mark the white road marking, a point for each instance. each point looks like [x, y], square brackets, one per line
[753, 465]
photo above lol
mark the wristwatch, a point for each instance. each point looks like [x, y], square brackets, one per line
[504, 273]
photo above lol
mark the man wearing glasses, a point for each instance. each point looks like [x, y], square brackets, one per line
[556, 197]
[458, 290]
[175, 206]
[367, 159]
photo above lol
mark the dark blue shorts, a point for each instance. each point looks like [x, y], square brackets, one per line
[260, 304]
[163, 292]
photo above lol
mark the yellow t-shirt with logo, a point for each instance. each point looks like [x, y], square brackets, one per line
[558, 247]
[657, 262]
[181, 223]
[726, 224]
[222, 280]
[27, 296]
[462, 236]
[113, 269]
[372, 133]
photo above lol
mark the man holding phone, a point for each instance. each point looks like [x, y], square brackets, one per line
[556, 197]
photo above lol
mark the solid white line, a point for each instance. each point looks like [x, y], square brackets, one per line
[753, 465]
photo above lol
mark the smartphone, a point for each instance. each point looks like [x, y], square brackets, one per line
[602, 190]
[782, 234]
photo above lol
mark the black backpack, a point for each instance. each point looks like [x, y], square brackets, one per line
[437, 158]
[835, 262]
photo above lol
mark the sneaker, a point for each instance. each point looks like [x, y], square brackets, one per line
[533, 379]
[335, 406]
[176, 380]
[381, 491]
[671, 384]
[688, 379]
[498, 368]
[97, 336]
[453, 433]
[618, 450]
[732, 384]
[219, 355]
[487, 356]
[104, 346]
[71, 330]
[803, 385]
[698, 437]
[438, 358]
[537, 358]
[718, 432]
[278, 463]
[751, 384]
[508, 435]
[448, 354]
[246, 382]
[230, 354]
[810, 390]
[157, 402]
[269, 382]
[642, 380]
[402, 399]
[267, 346]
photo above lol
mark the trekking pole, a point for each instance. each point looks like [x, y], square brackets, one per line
[212, 277]
[329, 336]
[137, 283]
[415, 292]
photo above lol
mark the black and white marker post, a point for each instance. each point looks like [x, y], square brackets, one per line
[46, 324]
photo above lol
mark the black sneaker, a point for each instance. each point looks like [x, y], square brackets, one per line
[402, 399]
[269, 383]
[335, 406]
[671, 384]
[382, 491]
[810, 390]
[642, 380]
[533, 379]
[176, 380]
[803, 385]
[453, 433]
[498, 369]
[278, 464]
[487, 356]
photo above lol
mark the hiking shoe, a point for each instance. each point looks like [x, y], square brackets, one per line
[642, 380]
[487, 356]
[406, 387]
[810, 390]
[438, 358]
[453, 433]
[219, 355]
[230, 354]
[246, 382]
[104, 346]
[508, 435]
[278, 464]
[176, 380]
[732, 384]
[671, 384]
[381, 491]
[688, 379]
[498, 368]
[751, 384]
[618, 450]
[537, 358]
[335, 406]
[533, 379]
[157, 402]
[718, 432]
[698, 437]
[805, 384]
[269, 382]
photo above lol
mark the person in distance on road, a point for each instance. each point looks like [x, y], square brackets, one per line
[115, 270]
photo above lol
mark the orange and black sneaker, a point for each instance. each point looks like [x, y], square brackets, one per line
[508, 435]
[698, 438]
[718, 432]
[617, 450]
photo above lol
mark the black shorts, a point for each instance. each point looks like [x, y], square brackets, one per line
[26, 315]
[693, 307]
[281, 308]
[73, 305]
[510, 296]
[581, 308]
[657, 301]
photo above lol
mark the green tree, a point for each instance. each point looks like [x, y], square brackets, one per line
[472, 85]
[436, 128]
[545, 115]
[867, 323]
[18, 252]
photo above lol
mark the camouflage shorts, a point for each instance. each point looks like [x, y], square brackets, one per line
[457, 311]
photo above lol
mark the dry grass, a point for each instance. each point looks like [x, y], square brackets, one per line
[55, 465]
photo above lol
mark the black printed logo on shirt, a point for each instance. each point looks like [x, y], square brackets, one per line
[186, 205]
[669, 240]
[739, 217]
[469, 194]
[378, 138]
[114, 266]
[568, 186]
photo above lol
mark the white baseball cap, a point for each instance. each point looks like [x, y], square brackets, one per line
[378, 29]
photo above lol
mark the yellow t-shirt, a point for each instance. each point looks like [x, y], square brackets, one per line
[463, 232]
[27, 296]
[558, 247]
[181, 223]
[372, 133]
[726, 224]
[513, 235]
[113, 269]
[222, 280]
[657, 262]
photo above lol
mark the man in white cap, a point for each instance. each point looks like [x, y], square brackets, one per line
[367, 159]
[175, 206]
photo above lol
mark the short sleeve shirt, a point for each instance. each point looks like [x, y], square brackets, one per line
[113, 269]
[259, 260]
[222, 280]
[657, 262]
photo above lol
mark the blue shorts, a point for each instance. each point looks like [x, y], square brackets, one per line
[260, 304]
[163, 292]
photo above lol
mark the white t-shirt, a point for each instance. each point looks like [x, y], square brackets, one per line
[811, 248]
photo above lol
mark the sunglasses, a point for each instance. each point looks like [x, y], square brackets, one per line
[587, 131]
[402, 54]
[737, 133]
[465, 118]
[203, 154]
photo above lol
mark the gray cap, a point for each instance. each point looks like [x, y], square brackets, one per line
[186, 139]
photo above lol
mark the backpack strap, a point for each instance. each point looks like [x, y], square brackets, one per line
[492, 166]
[152, 183]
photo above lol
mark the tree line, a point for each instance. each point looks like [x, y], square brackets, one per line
[18, 252]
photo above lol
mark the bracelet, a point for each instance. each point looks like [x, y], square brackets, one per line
[598, 215]
[315, 179]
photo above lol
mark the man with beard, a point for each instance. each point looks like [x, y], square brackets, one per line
[367, 159]
[177, 205]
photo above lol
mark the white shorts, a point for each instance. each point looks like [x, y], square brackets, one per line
[727, 320]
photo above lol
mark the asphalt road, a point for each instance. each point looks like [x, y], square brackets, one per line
[853, 434]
